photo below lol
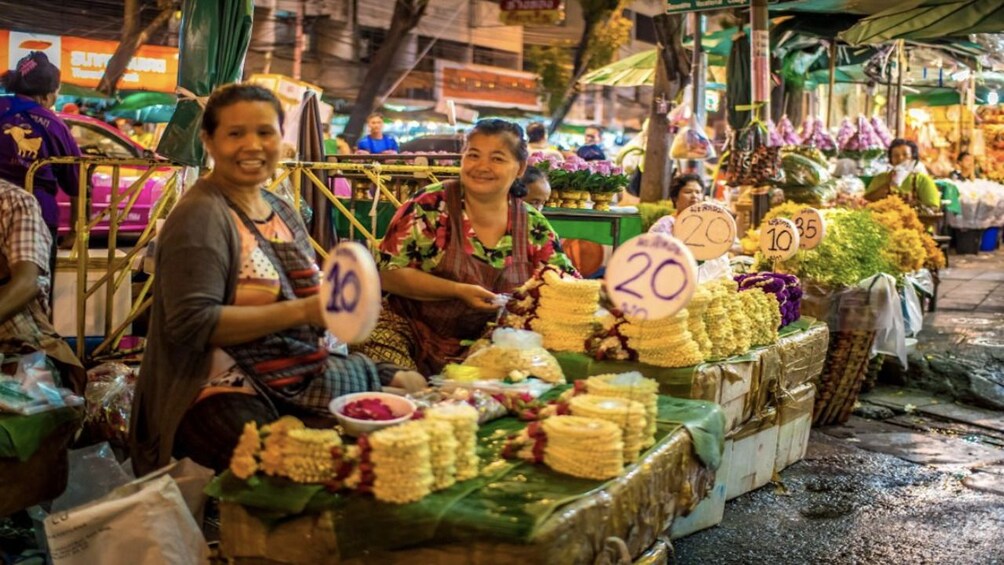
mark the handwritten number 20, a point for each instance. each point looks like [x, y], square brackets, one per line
[654, 278]
[345, 291]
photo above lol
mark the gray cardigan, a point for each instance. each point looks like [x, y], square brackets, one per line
[198, 260]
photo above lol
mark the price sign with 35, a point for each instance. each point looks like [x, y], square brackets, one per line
[811, 228]
[709, 230]
[651, 276]
[350, 292]
[778, 239]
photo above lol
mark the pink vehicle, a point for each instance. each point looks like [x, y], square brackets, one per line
[99, 139]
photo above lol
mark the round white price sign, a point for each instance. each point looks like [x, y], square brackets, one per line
[651, 276]
[811, 228]
[709, 230]
[350, 292]
[778, 239]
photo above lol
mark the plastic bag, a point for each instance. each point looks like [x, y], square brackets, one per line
[690, 143]
[884, 302]
[488, 407]
[913, 313]
[516, 354]
[109, 394]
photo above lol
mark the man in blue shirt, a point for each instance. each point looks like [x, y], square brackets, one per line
[376, 142]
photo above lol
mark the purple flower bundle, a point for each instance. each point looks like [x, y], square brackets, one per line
[786, 288]
[575, 173]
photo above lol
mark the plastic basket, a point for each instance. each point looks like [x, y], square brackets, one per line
[991, 239]
[847, 361]
[967, 241]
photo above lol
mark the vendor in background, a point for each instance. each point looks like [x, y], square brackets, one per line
[376, 142]
[965, 167]
[142, 136]
[236, 323]
[905, 180]
[538, 188]
[25, 284]
[684, 191]
[536, 135]
[592, 149]
[30, 131]
[452, 250]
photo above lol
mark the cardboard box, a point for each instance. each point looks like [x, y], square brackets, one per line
[794, 423]
[711, 510]
[753, 452]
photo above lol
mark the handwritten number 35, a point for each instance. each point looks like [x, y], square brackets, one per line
[345, 291]
[654, 278]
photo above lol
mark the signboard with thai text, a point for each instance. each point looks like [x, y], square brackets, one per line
[676, 6]
[486, 86]
[82, 61]
[532, 12]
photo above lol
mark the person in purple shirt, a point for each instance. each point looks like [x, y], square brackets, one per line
[30, 131]
[376, 142]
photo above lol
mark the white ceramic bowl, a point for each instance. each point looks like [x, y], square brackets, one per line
[399, 405]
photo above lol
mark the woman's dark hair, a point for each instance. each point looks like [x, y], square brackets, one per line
[681, 181]
[495, 126]
[535, 132]
[900, 142]
[34, 75]
[962, 155]
[232, 94]
[519, 188]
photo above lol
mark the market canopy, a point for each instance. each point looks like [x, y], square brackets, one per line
[928, 19]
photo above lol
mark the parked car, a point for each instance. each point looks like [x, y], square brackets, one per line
[99, 139]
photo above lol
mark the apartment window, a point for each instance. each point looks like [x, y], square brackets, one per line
[370, 39]
[496, 58]
[444, 49]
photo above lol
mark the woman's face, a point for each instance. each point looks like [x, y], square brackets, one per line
[900, 154]
[538, 193]
[690, 194]
[489, 165]
[245, 146]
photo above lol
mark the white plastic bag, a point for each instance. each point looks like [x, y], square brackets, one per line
[884, 301]
[144, 522]
[516, 354]
[913, 313]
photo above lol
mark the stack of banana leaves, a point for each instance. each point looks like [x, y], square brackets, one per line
[807, 179]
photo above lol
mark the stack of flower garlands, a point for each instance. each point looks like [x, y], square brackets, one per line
[613, 419]
[718, 322]
[399, 464]
[574, 180]
[558, 306]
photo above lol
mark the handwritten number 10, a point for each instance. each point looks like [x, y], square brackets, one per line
[776, 238]
[667, 263]
[341, 299]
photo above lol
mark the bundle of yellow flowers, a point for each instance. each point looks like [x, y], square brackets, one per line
[741, 324]
[764, 314]
[626, 414]
[696, 309]
[289, 450]
[442, 453]
[664, 343]
[718, 319]
[906, 251]
[560, 307]
[463, 418]
[631, 386]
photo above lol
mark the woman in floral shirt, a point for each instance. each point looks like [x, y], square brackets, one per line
[451, 251]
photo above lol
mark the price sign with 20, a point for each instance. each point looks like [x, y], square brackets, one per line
[778, 239]
[651, 276]
[708, 230]
[811, 228]
[350, 292]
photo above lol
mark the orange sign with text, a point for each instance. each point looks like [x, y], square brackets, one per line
[82, 61]
[486, 87]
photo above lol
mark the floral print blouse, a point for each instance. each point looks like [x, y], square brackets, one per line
[419, 232]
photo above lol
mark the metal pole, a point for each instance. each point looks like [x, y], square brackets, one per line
[699, 80]
[900, 110]
[298, 41]
[760, 59]
[833, 83]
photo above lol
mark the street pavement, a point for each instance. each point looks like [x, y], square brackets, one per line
[920, 479]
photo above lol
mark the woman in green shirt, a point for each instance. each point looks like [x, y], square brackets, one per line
[914, 187]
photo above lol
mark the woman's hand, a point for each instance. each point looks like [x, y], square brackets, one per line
[476, 297]
[313, 314]
[410, 381]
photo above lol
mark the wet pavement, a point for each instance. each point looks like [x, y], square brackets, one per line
[921, 480]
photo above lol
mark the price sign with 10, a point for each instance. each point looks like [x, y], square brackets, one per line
[709, 230]
[811, 228]
[779, 239]
[350, 292]
[651, 276]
